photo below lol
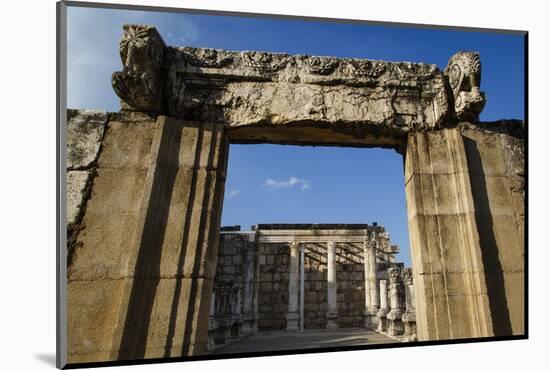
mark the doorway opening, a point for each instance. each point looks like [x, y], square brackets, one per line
[293, 257]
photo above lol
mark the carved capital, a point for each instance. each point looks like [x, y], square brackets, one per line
[331, 246]
[408, 276]
[141, 82]
[394, 274]
[294, 247]
[463, 73]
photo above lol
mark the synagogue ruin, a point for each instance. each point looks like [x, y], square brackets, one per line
[150, 274]
[308, 276]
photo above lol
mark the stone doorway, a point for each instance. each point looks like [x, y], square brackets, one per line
[147, 295]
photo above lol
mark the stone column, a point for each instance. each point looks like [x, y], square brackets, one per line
[302, 285]
[248, 287]
[452, 299]
[293, 315]
[395, 325]
[409, 317]
[212, 322]
[371, 288]
[236, 311]
[256, 298]
[332, 313]
[383, 311]
[152, 233]
[223, 311]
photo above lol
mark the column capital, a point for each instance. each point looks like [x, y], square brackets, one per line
[394, 274]
[408, 276]
[371, 242]
[331, 246]
[294, 246]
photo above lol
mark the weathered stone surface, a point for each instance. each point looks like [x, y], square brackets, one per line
[140, 82]
[77, 182]
[447, 254]
[257, 88]
[495, 152]
[464, 75]
[101, 261]
[364, 102]
[84, 134]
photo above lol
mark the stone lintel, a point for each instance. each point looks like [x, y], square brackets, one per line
[295, 99]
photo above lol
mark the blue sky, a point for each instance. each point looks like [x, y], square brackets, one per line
[275, 183]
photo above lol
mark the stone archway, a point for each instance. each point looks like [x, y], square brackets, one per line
[144, 254]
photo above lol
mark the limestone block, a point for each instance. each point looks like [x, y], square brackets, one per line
[128, 239]
[85, 130]
[77, 182]
[447, 256]
[316, 99]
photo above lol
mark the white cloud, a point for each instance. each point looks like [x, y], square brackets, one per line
[233, 193]
[286, 184]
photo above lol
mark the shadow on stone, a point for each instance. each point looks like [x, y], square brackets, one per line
[147, 270]
[494, 277]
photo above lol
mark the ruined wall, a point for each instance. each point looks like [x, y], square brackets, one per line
[108, 209]
[85, 131]
[142, 261]
[350, 285]
[273, 264]
[272, 278]
[350, 277]
[495, 154]
[315, 286]
[234, 298]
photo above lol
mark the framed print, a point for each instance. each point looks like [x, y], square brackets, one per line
[253, 185]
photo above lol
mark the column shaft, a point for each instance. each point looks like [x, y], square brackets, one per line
[332, 314]
[395, 325]
[293, 282]
[452, 297]
[302, 286]
[371, 287]
[248, 283]
[383, 311]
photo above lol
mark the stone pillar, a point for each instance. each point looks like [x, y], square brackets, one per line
[249, 268]
[236, 311]
[302, 285]
[372, 304]
[256, 298]
[383, 311]
[409, 317]
[293, 315]
[395, 325]
[332, 313]
[212, 322]
[452, 299]
[222, 311]
[145, 272]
